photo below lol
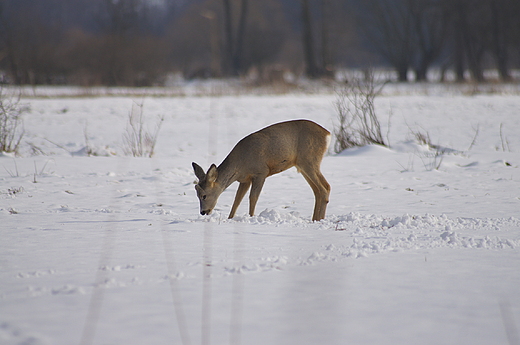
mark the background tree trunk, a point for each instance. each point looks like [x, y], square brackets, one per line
[228, 38]
[311, 68]
[241, 31]
[500, 41]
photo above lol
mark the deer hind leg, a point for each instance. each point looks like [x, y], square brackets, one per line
[241, 191]
[325, 200]
[321, 189]
[257, 184]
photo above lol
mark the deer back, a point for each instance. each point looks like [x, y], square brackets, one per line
[277, 148]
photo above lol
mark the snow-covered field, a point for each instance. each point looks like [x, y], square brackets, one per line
[417, 248]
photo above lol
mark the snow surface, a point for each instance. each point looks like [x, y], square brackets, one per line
[417, 247]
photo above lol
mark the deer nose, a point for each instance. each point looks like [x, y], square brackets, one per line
[205, 212]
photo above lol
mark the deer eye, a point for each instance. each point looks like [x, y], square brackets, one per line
[204, 197]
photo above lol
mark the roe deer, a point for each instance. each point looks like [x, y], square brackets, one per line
[271, 150]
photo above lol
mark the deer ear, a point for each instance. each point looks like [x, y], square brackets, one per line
[199, 172]
[212, 174]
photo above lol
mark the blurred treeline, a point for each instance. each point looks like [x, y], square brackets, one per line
[141, 42]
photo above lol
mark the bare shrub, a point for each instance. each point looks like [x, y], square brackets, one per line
[137, 140]
[433, 161]
[358, 122]
[423, 139]
[11, 125]
[433, 157]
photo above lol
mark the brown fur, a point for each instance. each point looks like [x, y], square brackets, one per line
[299, 143]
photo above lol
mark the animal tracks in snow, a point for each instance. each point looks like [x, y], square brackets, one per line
[358, 235]
[33, 274]
[273, 241]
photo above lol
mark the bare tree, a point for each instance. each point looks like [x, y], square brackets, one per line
[475, 32]
[228, 33]
[125, 52]
[234, 42]
[241, 32]
[309, 49]
[194, 40]
[122, 18]
[325, 32]
[389, 27]
[503, 16]
[456, 24]
[430, 35]
[30, 45]
[262, 48]
[471, 29]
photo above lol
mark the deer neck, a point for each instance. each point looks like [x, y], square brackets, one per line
[227, 173]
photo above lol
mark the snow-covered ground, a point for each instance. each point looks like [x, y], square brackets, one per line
[416, 248]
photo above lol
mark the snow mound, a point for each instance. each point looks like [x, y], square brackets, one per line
[7, 154]
[103, 151]
[273, 216]
[410, 146]
[375, 234]
[266, 217]
[369, 150]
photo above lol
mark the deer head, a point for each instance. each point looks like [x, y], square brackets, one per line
[208, 189]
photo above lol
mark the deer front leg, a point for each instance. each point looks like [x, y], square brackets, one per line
[241, 191]
[257, 184]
